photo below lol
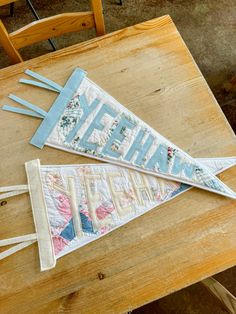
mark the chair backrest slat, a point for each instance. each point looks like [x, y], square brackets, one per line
[51, 27]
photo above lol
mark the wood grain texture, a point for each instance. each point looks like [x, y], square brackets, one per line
[52, 26]
[149, 69]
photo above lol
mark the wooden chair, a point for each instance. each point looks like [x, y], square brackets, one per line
[51, 27]
[225, 298]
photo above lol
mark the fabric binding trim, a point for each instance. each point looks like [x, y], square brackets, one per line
[45, 245]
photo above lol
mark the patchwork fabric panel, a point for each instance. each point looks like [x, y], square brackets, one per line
[85, 119]
[95, 124]
[85, 202]
[73, 205]
[106, 197]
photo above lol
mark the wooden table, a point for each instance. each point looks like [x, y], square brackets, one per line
[149, 69]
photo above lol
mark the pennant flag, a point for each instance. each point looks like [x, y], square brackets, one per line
[86, 120]
[76, 204]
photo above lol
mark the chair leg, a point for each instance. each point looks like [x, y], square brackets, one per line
[8, 46]
[38, 18]
[97, 9]
[221, 293]
[12, 5]
[120, 3]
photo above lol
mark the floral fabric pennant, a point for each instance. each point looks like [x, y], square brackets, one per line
[74, 205]
[86, 120]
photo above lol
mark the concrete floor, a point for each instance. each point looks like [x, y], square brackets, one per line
[208, 28]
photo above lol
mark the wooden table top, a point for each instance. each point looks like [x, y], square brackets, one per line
[149, 69]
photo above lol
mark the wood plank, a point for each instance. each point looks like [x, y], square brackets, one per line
[148, 68]
[52, 26]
